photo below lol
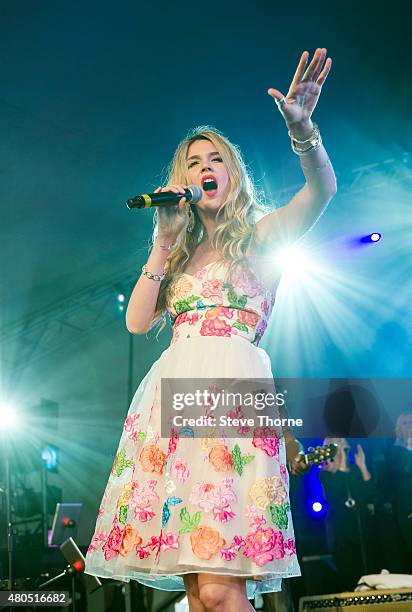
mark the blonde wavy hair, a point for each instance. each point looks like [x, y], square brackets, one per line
[235, 218]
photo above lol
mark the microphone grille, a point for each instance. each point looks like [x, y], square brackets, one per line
[196, 192]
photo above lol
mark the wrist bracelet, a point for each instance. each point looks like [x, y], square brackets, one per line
[157, 277]
[314, 140]
[306, 151]
[314, 132]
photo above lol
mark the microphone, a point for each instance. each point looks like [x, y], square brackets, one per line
[192, 194]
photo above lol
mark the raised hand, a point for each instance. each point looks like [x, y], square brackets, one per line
[300, 101]
[360, 458]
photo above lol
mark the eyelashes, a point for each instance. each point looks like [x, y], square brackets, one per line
[214, 159]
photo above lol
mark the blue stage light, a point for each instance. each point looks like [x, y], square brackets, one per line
[50, 457]
[317, 506]
[374, 237]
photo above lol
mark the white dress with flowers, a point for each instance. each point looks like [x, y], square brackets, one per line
[175, 505]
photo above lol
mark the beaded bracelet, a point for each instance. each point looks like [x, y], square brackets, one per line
[157, 277]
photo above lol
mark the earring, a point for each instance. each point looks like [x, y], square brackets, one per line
[191, 223]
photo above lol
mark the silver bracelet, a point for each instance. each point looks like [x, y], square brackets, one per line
[301, 152]
[157, 277]
[314, 140]
[314, 132]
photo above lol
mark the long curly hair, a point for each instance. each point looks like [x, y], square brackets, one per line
[235, 218]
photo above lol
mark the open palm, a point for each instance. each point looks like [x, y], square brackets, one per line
[305, 88]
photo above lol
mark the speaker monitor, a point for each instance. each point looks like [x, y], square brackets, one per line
[391, 600]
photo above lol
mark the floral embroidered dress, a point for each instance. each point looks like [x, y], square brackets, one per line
[175, 505]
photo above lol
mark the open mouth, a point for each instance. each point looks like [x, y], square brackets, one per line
[209, 184]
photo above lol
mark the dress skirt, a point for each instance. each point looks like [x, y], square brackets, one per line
[179, 504]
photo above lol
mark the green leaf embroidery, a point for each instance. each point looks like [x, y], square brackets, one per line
[185, 304]
[121, 463]
[247, 459]
[123, 514]
[238, 461]
[189, 524]
[235, 301]
[278, 515]
[141, 435]
[240, 326]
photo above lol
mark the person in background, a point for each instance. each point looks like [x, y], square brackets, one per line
[350, 492]
[400, 469]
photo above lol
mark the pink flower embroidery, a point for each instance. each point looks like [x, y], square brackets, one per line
[131, 424]
[212, 289]
[284, 473]
[170, 541]
[180, 469]
[223, 514]
[142, 552]
[141, 499]
[264, 545]
[203, 495]
[183, 317]
[97, 541]
[172, 443]
[215, 498]
[112, 546]
[238, 414]
[269, 445]
[231, 552]
[256, 519]
[290, 546]
[246, 282]
[215, 327]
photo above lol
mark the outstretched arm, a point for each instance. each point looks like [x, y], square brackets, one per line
[290, 222]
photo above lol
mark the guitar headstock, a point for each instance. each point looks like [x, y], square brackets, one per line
[318, 455]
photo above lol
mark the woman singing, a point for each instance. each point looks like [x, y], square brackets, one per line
[211, 514]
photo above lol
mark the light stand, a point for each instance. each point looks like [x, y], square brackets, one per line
[10, 527]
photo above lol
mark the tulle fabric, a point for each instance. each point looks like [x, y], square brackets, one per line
[172, 507]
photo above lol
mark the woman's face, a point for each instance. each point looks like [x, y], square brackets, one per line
[206, 169]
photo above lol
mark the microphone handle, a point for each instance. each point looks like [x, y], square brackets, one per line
[163, 198]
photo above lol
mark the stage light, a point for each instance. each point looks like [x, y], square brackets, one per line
[292, 261]
[374, 237]
[120, 302]
[50, 455]
[8, 417]
[317, 506]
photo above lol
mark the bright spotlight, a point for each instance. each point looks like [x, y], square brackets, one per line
[374, 237]
[291, 260]
[317, 506]
[120, 298]
[8, 417]
[296, 263]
